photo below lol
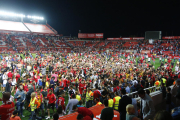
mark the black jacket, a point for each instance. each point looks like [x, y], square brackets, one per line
[28, 95]
[123, 102]
[8, 87]
[168, 98]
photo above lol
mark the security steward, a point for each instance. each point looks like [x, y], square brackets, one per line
[34, 104]
[110, 101]
[98, 102]
[116, 101]
[89, 98]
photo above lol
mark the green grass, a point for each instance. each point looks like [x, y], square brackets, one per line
[27, 113]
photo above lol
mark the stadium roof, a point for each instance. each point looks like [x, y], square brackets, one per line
[29, 28]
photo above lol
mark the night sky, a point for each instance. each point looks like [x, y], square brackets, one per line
[114, 18]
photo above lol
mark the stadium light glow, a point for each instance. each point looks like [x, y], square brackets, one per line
[11, 14]
[3, 13]
[35, 17]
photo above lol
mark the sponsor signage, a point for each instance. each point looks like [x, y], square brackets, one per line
[90, 35]
[127, 38]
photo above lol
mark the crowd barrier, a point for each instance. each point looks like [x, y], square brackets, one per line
[155, 94]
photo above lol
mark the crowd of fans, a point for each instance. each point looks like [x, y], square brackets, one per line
[88, 78]
[40, 84]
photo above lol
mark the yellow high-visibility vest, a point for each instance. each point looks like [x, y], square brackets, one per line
[164, 81]
[116, 104]
[78, 97]
[110, 103]
[99, 103]
[88, 96]
[32, 104]
[157, 83]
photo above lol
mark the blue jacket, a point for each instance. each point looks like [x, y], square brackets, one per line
[23, 96]
[40, 82]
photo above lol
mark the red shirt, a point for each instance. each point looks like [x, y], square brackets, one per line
[179, 76]
[115, 89]
[141, 61]
[84, 111]
[96, 94]
[61, 102]
[68, 82]
[35, 79]
[65, 83]
[26, 88]
[81, 86]
[9, 75]
[84, 88]
[17, 77]
[51, 98]
[6, 110]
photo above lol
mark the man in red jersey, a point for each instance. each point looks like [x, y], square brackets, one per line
[7, 108]
[52, 98]
[61, 101]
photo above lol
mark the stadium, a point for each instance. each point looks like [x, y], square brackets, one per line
[45, 75]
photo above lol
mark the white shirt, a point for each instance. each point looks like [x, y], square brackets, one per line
[14, 82]
[176, 68]
[5, 77]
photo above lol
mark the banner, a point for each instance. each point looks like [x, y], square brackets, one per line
[99, 35]
[138, 38]
[82, 35]
[113, 38]
[145, 51]
[90, 35]
[167, 52]
[170, 37]
[127, 38]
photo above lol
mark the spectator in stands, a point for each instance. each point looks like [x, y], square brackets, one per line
[163, 115]
[107, 113]
[147, 106]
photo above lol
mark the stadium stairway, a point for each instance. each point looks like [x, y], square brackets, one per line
[27, 27]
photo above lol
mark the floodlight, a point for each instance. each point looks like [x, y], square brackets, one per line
[11, 14]
[35, 17]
